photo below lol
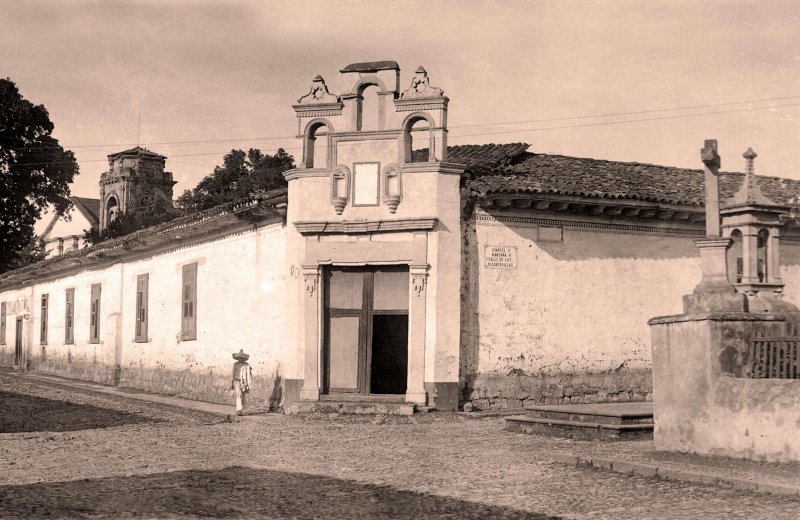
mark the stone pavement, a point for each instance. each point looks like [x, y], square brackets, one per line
[69, 451]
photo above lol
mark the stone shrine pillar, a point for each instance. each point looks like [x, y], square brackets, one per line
[714, 391]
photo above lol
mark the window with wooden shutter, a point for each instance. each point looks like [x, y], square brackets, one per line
[43, 326]
[189, 302]
[2, 323]
[94, 320]
[141, 308]
[69, 315]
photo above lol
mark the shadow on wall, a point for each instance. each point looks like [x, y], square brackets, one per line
[470, 303]
[237, 492]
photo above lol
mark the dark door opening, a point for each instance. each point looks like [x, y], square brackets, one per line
[18, 343]
[389, 370]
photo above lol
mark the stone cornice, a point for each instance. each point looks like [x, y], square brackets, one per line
[319, 109]
[325, 227]
[302, 173]
[429, 103]
[445, 168]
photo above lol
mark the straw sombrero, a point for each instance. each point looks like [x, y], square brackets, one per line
[241, 356]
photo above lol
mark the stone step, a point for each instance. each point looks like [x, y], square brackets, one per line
[580, 430]
[351, 407]
[600, 413]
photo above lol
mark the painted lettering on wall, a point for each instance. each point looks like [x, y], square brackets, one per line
[501, 257]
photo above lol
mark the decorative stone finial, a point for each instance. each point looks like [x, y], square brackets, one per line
[318, 93]
[709, 154]
[421, 87]
[749, 166]
[750, 193]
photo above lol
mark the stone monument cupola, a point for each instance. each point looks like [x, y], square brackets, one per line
[753, 222]
[134, 176]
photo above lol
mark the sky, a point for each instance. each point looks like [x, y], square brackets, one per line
[637, 81]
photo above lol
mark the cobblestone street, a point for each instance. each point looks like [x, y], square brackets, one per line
[78, 454]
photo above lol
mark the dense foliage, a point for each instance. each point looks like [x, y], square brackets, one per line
[36, 173]
[240, 175]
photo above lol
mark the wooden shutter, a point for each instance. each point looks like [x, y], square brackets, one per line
[43, 327]
[94, 321]
[69, 314]
[141, 308]
[189, 302]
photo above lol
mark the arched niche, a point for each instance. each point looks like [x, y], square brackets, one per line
[368, 111]
[315, 154]
[422, 125]
[736, 257]
[112, 209]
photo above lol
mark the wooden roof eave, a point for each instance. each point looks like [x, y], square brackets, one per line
[593, 206]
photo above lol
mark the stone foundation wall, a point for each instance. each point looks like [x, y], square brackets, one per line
[211, 386]
[515, 391]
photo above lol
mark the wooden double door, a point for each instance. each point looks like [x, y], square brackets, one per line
[365, 343]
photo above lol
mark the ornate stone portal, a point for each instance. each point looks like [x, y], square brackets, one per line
[374, 223]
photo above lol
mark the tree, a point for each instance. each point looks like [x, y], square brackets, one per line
[241, 175]
[36, 173]
[150, 211]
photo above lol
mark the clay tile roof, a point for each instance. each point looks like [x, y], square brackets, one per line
[493, 169]
[480, 159]
[90, 208]
[371, 66]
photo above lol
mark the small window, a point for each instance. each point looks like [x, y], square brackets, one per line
[2, 323]
[366, 184]
[189, 302]
[94, 322]
[141, 308]
[69, 315]
[43, 326]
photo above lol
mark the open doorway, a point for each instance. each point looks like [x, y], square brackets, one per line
[366, 330]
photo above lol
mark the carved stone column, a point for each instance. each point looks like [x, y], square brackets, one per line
[774, 258]
[415, 388]
[311, 324]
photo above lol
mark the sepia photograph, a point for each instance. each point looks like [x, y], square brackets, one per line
[400, 259]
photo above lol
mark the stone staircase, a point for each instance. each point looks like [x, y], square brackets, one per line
[604, 421]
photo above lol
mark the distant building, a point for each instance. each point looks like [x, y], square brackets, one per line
[62, 233]
[133, 177]
[394, 268]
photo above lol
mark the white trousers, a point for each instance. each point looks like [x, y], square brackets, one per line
[240, 396]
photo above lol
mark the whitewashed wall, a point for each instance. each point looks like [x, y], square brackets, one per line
[241, 287]
[568, 323]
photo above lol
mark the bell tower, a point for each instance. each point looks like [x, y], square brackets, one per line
[133, 177]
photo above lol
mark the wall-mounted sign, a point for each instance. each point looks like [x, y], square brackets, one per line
[501, 257]
[19, 306]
